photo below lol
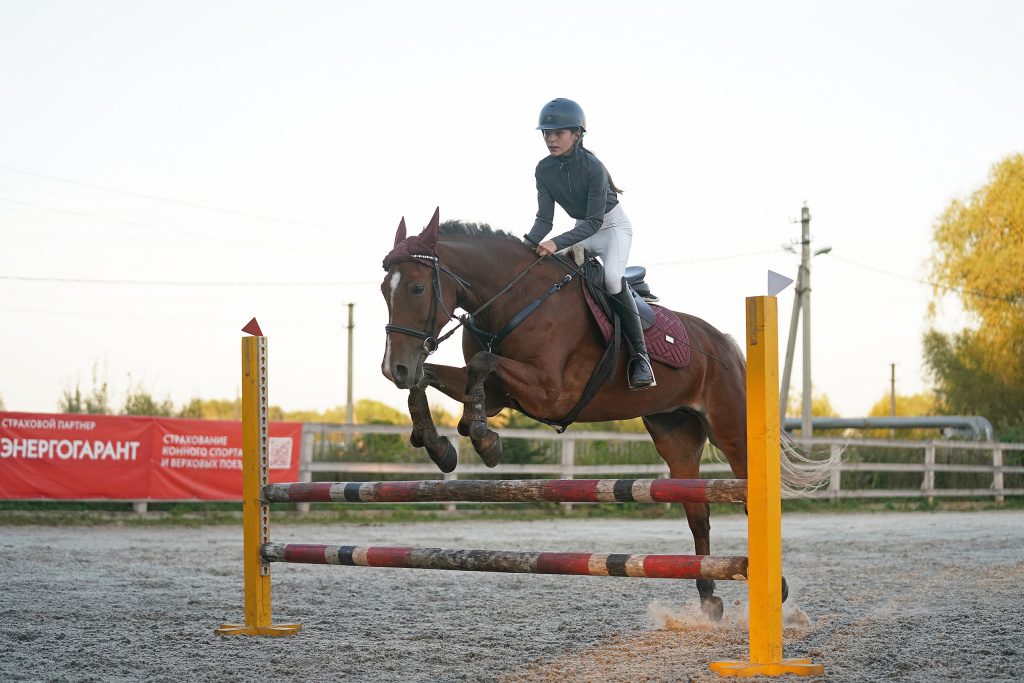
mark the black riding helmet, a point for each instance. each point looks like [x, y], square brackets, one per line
[562, 113]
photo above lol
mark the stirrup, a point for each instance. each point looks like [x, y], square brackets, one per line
[641, 385]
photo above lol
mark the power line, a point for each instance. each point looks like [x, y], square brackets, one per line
[178, 202]
[108, 219]
[958, 290]
[184, 283]
[713, 258]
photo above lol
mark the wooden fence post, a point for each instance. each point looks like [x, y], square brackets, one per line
[835, 482]
[928, 483]
[449, 476]
[305, 463]
[997, 475]
[568, 462]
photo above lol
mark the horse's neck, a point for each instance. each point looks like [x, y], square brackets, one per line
[488, 268]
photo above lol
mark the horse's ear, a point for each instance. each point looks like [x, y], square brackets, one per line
[429, 235]
[400, 235]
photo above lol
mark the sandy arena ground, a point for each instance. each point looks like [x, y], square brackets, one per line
[874, 597]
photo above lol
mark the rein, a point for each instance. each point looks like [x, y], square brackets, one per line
[467, 319]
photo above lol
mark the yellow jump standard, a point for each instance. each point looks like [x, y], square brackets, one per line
[764, 501]
[255, 514]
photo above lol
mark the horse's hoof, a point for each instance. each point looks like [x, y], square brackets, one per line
[785, 589]
[444, 455]
[713, 608]
[489, 448]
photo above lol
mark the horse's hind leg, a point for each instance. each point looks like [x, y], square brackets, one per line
[424, 434]
[679, 437]
[727, 430]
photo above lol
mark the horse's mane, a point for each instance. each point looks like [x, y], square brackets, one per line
[457, 227]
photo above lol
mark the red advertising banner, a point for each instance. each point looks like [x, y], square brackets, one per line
[90, 457]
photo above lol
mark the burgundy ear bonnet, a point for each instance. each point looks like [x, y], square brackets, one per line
[418, 245]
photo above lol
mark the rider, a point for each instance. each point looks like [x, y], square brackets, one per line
[577, 181]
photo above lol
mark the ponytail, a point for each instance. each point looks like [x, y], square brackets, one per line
[611, 183]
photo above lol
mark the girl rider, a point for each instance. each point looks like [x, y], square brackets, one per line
[577, 181]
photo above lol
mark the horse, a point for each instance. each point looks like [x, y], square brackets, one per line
[544, 362]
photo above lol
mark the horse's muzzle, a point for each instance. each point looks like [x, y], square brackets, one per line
[401, 375]
[404, 375]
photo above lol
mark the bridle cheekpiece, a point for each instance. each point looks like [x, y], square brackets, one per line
[421, 248]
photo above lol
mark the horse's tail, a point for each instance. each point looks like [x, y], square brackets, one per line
[803, 470]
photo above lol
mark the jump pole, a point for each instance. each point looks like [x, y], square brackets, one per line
[764, 502]
[255, 513]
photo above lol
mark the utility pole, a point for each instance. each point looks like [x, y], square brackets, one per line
[801, 304]
[806, 426]
[892, 397]
[349, 408]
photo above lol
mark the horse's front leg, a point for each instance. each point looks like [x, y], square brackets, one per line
[424, 434]
[452, 382]
[473, 424]
[536, 388]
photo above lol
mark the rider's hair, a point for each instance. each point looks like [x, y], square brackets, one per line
[611, 183]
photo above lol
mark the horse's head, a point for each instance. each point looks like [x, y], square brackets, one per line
[417, 304]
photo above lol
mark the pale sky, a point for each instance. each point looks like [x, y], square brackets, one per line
[170, 170]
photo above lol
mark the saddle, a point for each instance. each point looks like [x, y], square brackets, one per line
[635, 275]
[666, 339]
[635, 279]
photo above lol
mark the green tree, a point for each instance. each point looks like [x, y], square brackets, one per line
[442, 418]
[193, 409]
[139, 401]
[336, 415]
[634, 425]
[225, 409]
[978, 256]
[96, 403]
[520, 451]
[375, 412]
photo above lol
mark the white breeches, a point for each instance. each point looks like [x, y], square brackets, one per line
[612, 243]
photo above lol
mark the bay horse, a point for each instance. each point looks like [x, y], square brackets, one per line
[545, 362]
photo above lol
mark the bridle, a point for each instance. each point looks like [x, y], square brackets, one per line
[430, 342]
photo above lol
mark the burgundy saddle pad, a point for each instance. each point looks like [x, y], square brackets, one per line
[667, 341]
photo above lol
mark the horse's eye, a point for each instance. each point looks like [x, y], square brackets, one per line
[417, 289]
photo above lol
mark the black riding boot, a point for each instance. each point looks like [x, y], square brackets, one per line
[640, 371]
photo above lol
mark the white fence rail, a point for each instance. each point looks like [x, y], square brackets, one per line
[566, 468]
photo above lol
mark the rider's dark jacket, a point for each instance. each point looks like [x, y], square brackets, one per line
[579, 184]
